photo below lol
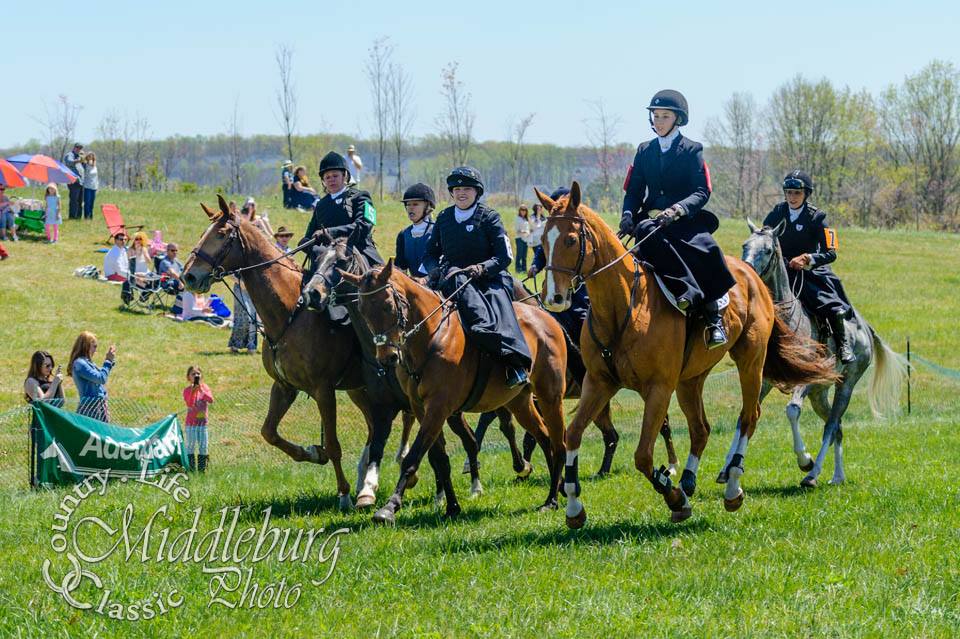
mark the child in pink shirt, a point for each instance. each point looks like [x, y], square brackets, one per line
[197, 397]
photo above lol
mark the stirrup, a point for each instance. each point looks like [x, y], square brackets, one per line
[516, 376]
[715, 336]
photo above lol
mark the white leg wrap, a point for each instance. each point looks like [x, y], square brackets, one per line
[693, 463]
[476, 488]
[574, 505]
[838, 475]
[732, 488]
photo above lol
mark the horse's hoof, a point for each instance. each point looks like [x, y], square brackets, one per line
[527, 469]
[806, 466]
[722, 477]
[684, 514]
[412, 481]
[366, 500]
[476, 491]
[346, 504]
[808, 482]
[317, 455]
[548, 506]
[836, 481]
[384, 516]
[601, 474]
[452, 512]
[577, 522]
[733, 505]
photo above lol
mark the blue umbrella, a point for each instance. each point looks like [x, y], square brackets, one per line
[42, 169]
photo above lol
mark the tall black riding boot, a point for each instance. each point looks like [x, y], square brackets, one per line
[202, 463]
[713, 319]
[193, 462]
[840, 337]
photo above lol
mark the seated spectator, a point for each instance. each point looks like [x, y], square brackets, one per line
[90, 378]
[116, 263]
[303, 195]
[7, 217]
[157, 246]
[140, 254]
[170, 269]
[249, 213]
[282, 236]
[196, 306]
[3, 252]
[42, 383]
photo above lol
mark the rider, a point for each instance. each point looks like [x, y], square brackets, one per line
[343, 212]
[419, 201]
[669, 177]
[469, 243]
[809, 245]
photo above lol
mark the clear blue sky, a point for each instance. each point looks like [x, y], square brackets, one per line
[182, 64]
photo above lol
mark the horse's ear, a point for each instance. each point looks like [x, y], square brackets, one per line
[779, 228]
[573, 204]
[223, 205]
[544, 199]
[210, 214]
[750, 225]
[387, 271]
[350, 277]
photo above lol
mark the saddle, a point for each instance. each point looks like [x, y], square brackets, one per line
[722, 302]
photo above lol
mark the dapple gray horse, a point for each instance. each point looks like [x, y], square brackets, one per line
[762, 252]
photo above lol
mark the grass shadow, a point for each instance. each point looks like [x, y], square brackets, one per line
[795, 490]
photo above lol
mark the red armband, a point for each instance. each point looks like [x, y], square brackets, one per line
[626, 181]
[706, 172]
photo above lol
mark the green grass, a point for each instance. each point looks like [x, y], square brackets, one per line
[875, 557]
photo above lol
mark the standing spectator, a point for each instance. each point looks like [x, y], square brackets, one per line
[170, 269]
[286, 184]
[54, 218]
[356, 165]
[537, 222]
[7, 218]
[243, 334]
[522, 229]
[249, 213]
[116, 263]
[42, 383]
[91, 182]
[303, 195]
[89, 377]
[197, 397]
[282, 236]
[72, 159]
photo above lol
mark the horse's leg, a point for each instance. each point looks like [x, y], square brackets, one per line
[437, 455]
[749, 358]
[765, 389]
[610, 439]
[431, 423]
[690, 398]
[595, 393]
[281, 398]
[478, 434]
[521, 466]
[667, 435]
[382, 416]
[549, 422]
[529, 443]
[362, 401]
[793, 410]
[327, 403]
[832, 431]
[408, 419]
[462, 430]
[656, 401]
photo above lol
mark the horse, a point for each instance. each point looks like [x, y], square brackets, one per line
[439, 367]
[635, 339]
[305, 350]
[762, 251]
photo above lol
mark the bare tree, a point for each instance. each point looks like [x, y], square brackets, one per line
[456, 122]
[286, 96]
[734, 140]
[60, 125]
[400, 101]
[135, 144]
[518, 167]
[378, 70]
[109, 131]
[602, 129]
[235, 143]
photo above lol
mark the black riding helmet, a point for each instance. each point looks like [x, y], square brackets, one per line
[333, 161]
[420, 191]
[465, 176]
[670, 100]
[798, 180]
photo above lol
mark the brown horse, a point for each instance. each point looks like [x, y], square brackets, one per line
[635, 339]
[438, 367]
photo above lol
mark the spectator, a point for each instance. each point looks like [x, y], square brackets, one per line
[304, 196]
[7, 218]
[54, 217]
[89, 378]
[116, 263]
[249, 213]
[537, 222]
[197, 307]
[3, 252]
[286, 184]
[355, 165]
[197, 397]
[72, 159]
[282, 236]
[140, 254]
[243, 333]
[170, 269]
[522, 229]
[42, 383]
[232, 207]
[91, 182]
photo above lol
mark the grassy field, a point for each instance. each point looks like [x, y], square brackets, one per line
[876, 557]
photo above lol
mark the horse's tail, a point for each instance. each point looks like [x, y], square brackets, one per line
[889, 370]
[793, 360]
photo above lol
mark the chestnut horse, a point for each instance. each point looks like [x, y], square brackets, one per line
[438, 367]
[635, 339]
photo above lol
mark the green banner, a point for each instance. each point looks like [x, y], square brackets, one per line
[70, 447]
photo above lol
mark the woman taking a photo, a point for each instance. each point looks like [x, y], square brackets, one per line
[90, 378]
[42, 383]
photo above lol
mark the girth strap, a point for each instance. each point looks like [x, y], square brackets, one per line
[484, 366]
[606, 352]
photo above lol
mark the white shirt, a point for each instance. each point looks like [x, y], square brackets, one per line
[462, 216]
[667, 142]
[334, 196]
[116, 262]
[536, 230]
[193, 305]
[794, 214]
[522, 228]
[91, 177]
[418, 229]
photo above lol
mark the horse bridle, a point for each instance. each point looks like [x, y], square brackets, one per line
[216, 261]
[584, 237]
[400, 320]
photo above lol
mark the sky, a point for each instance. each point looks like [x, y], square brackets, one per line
[183, 65]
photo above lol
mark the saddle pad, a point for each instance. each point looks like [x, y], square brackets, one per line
[723, 302]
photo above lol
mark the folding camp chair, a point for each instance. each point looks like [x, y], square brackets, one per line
[114, 220]
[28, 220]
[143, 291]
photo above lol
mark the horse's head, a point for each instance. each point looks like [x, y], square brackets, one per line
[217, 251]
[762, 250]
[329, 258]
[383, 308]
[568, 248]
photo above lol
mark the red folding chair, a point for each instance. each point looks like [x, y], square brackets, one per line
[114, 220]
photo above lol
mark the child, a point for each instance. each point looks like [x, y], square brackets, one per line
[7, 216]
[412, 241]
[54, 218]
[197, 396]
